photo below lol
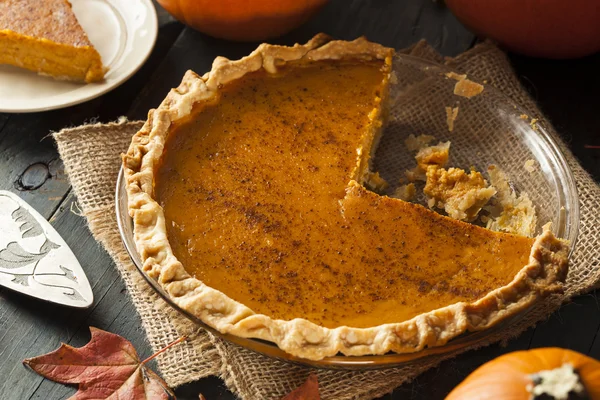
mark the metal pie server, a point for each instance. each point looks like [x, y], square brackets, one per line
[34, 258]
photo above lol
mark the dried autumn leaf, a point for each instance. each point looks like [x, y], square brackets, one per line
[107, 367]
[308, 391]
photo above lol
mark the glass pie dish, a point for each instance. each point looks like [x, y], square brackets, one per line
[487, 129]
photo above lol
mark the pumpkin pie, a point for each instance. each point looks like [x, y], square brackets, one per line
[45, 37]
[246, 188]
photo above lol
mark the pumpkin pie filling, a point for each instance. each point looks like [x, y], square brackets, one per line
[262, 201]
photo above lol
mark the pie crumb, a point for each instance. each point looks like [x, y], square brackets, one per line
[455, 76]
[512, 213]
[405, 192]
[415, 174]
[433, 155]
[375, 182]
[460, 194]
[451, 114]
[426, 155]
[533, 124]
[467, 88]
[524, 116]
[530, 166]
[416, 143]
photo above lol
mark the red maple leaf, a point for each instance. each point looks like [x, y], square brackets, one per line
[308, 391]
[107, 367]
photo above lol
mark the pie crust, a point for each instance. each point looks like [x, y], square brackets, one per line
[544, 274]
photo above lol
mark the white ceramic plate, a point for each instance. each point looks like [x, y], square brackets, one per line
[123, 32]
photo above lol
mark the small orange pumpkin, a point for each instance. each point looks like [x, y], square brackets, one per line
[243, 20]
[525, 375]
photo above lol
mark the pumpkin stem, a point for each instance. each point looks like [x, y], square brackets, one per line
[562, 383]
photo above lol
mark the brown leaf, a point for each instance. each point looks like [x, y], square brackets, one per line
[308, 391]
[108, 366]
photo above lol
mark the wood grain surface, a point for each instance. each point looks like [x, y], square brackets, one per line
[31, 168]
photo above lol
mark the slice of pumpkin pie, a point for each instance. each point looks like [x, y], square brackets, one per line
[246, 191]
[45, 37]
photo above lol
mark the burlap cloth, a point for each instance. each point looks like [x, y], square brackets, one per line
[91, 158]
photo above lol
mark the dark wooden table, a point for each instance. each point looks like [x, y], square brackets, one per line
[567, 91]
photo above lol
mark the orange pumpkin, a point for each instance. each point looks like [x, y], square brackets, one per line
[243, 20]
[543, 28]
[516, 376]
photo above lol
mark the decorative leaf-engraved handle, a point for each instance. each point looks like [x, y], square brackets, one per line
[27, 224]
[14, 256]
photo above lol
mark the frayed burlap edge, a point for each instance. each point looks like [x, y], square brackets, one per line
[91, 157]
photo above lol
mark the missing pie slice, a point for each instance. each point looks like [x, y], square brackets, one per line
[44, 36]
[245, 187]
